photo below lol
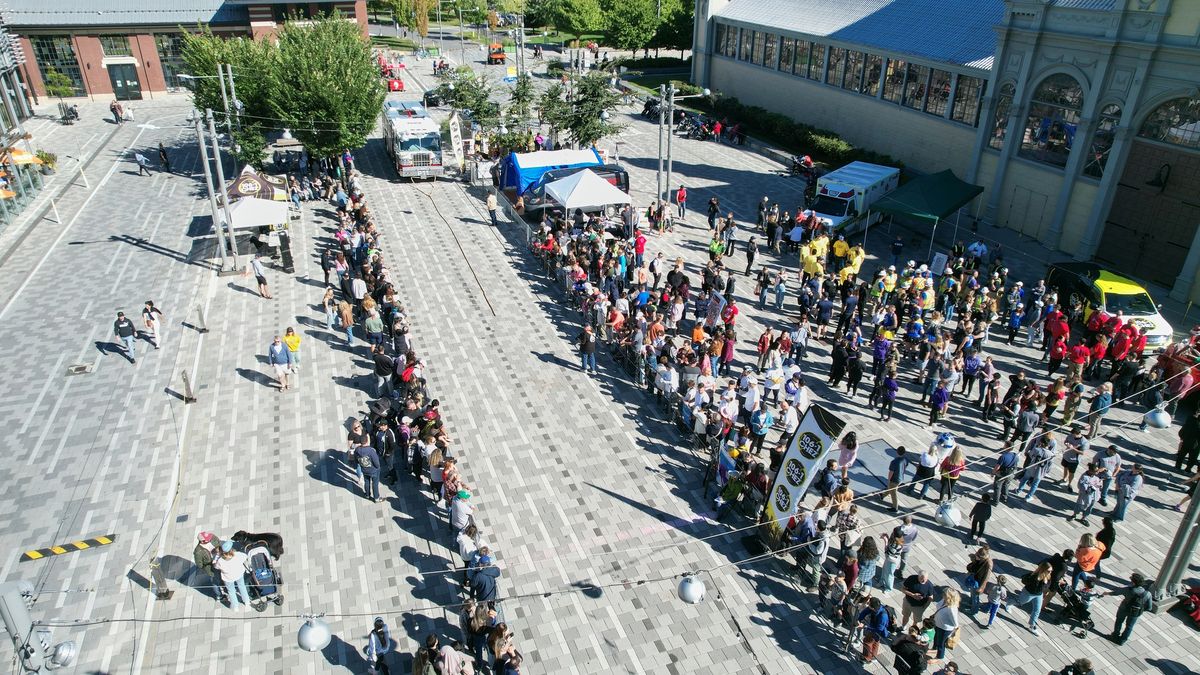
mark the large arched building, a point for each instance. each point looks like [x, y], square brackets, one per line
[1081, 118]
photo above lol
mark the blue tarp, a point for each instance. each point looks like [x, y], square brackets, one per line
[520, 170]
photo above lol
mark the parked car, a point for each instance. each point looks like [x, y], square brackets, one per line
[1099, 289]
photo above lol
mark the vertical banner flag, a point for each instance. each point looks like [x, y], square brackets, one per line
[814, 438]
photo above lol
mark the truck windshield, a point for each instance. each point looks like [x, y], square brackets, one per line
[830, 206]
[1134, 304]
[431, 142]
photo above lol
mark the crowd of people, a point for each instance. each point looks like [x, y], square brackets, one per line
[905, 338]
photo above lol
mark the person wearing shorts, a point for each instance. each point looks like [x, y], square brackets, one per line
[260, 273]
[152, 317]
[280, 358]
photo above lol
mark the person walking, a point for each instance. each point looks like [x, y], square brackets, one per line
[1002, 473]
[1038, 460]
[945, 620]
[681, 201]
[163, 158]
[997, 595]
[1034, 586]
[1087, 556]
[124, 330]
[280, 359]
[1089, 494]
[291, 340]
[152, 318]
[117, 111]
[143, 164]
[1192, 484]
[367, 460]
[1101, 403]
[897, 472]
[492, 205]
[1136, 600]
[260, 275]
[980, 514]
[951, 468]
[232, 566]
[379, 645]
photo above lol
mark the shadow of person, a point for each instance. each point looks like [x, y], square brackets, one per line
[341, 653]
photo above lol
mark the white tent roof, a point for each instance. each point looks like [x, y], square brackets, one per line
[583, 190]
[536, 160]
[249, 212]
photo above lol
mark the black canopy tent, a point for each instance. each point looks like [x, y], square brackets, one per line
[930, 198]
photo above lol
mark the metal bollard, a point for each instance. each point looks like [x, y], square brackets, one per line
[188, 396]
[159, 581]
[202, 326]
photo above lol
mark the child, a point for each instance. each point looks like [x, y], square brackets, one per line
[979, 517]
[837, 597]
[997, 593]
[927, 631]
[824, 588]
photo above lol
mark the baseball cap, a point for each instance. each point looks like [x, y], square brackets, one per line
[227, 546]
[206, 537]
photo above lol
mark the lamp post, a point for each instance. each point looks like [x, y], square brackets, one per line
[208, 182]
[216, 148]
[666, 118]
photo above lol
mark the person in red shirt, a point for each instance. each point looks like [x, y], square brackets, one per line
[1058, 352]
[1079, 355]
[1137, 341]
[639, 247]
[729, 314]
[1097, 321]
[1098, 352]
[1114, 324]
[1118, 349]
[681, 201]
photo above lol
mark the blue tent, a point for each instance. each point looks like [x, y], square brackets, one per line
[520, 170]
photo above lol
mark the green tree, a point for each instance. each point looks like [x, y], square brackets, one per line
[466, 90]
[631, 23]
[579, 17]
[553, 108]
[251, 60]
[592, 101]
[675, 28]
[540, 13]
[521, 101]
[58, 84]
[325, 84]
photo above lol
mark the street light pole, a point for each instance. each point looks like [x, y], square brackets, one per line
[662, 110]
[440, 31]
[462, 40]
[670, 133]
[224, 97]
[237, 108]
[212, 196]
[216, 147]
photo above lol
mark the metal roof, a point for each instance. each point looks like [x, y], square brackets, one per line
[73, 13]
[947, 31]
[1103, 5]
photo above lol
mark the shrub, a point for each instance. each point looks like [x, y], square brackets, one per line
[654, 62]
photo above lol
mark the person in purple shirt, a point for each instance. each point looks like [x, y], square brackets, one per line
[938, 402]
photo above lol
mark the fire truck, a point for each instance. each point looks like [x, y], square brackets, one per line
[413, 139]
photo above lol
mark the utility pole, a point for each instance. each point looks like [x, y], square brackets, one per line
[662, 111]
[670, 126]
[462, 39]
[237, 105]
[1179, 556]
[212, 196]
[440, 30]
[224, 98]
[216, 147]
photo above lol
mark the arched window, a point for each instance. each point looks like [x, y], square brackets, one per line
[1053, 119]
[1102, 141]
[1000, 120]
[1176, 122]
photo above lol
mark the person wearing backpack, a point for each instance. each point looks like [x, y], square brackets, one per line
[368, 460]
[910, 653]
[1136, 600]
[876, 624]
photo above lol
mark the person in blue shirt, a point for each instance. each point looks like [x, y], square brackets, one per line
[1015, 319]
[643, 297]
[897, 474]
[761, 422]
[875, 622]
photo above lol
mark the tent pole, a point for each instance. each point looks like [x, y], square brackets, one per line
[957, 217]
[866, 229]
[932, 233]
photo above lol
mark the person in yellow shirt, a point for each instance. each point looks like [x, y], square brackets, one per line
[807, 261]
[840, 249]
[821, 246]
[855, 258]
[292, 341]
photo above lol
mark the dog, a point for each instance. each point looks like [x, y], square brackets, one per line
[273, 541]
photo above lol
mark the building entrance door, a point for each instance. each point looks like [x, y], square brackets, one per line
[125, 81]
[1155, 214]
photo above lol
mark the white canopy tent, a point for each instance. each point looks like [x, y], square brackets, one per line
[585, 190]
[254, 212]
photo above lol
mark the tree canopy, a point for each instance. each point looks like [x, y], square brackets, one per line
[631, 23]
[579, 17]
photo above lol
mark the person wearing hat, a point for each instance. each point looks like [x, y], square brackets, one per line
[207, 546]
[379, 645]
[232, 566]
[461, 512]
[124, 330]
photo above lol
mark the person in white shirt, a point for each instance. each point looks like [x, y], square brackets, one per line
[791, 420]
[800, 398]
[232, 566]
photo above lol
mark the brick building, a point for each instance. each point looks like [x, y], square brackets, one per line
[130, 49]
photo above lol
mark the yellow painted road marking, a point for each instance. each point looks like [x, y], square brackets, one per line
[80, 545]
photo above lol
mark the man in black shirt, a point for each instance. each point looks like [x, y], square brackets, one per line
[918, 591]
[385, 366]
[587, 350]
[125, 331]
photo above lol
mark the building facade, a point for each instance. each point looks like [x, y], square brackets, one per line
[20, 177]
[1080, 118]
[131, 49]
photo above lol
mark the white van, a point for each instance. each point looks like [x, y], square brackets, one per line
[844, 196]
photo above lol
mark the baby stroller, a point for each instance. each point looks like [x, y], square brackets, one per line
[264, 580]
[1076, 611]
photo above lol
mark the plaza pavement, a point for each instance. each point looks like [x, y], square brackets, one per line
[578, 479]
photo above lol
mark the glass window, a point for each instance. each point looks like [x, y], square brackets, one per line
[915, 86]
[719, 39]
[837, 66]
[1102, 141]
[54, 52]
[872, 69]
[854, 71]
[816, 69]
[966, 99]
[170, 54]
[1053, 120]
[116, 45]
[1000, 117]
[760, 39]
[731, 42]
[1176, 122]
[747, 45]
[769, 51]
[939, 92]
[787, 51]
[803, 57]
[893, 85]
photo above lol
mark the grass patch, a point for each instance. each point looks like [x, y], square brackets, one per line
[651, 83]
[393, 42]
[556, 38]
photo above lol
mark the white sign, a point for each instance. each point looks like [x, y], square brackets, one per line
[456, 140]
[938, 266]
[814, 438]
